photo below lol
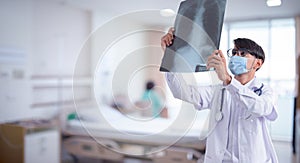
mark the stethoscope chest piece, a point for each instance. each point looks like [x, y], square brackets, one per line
[219, 116]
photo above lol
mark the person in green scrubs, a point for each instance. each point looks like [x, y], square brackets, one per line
[154, 98]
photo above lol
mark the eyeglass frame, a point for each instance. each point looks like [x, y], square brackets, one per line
[240, 50]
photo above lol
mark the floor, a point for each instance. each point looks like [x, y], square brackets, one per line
[283, 150]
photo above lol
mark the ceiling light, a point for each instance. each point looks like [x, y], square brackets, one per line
[167, 12]
[272, 3]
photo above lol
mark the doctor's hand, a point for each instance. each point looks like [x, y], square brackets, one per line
[218, 61]
[167, 39]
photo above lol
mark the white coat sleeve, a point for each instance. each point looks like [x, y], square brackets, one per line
[258, 106]
[200, 97]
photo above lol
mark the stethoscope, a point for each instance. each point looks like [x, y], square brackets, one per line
[219, 115]
[258, 91]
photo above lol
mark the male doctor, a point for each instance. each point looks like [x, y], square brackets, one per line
[240, 107]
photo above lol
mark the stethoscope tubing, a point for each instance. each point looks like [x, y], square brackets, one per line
[219, 115]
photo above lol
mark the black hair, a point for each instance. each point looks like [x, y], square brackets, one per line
[150, 85]
[253, 47]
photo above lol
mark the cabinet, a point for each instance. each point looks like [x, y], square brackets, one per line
[21, 143]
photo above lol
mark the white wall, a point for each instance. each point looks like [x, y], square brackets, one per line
[15, 40]
[117, 52]
[131, 55]
[59, 32]
[50, 35]
[16, 23]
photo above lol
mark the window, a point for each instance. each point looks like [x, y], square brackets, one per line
[277, 38]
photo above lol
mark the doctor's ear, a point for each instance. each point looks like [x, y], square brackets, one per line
[258, 64]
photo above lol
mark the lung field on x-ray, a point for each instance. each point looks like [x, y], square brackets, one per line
[198, 27]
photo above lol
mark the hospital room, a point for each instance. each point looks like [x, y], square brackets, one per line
[140, 81]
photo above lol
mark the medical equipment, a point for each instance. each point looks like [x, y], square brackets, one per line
[198, 27]
[219, 114]
[259, 90]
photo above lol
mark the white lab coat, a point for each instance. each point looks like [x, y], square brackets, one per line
[245, 111]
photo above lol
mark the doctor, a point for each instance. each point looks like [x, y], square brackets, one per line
[240, 108]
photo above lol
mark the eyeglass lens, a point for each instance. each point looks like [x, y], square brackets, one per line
[241, 52]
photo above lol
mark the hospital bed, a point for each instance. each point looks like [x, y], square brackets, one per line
[110, 135]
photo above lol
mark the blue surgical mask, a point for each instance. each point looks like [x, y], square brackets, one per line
[238, 65]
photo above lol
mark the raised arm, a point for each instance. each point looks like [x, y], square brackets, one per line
[257, 106]
[200, 97]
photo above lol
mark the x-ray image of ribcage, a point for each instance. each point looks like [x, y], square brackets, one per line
[198, 27]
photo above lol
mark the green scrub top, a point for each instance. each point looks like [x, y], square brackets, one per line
[155, 100]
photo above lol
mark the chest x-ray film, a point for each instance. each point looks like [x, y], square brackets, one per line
[198, 27]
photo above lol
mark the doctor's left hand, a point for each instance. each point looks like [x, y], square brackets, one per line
[218, 61]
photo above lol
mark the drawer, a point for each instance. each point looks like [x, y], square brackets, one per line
[42, 147]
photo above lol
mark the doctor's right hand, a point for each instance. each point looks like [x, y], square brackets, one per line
[167, 39]
[218, 61]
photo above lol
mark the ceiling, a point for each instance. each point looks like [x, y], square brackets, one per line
[235, 9]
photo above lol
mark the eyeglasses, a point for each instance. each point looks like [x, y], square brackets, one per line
[240, 52]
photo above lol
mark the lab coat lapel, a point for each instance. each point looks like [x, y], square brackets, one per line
[254, 84]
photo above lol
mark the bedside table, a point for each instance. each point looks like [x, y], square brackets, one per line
[30, 142]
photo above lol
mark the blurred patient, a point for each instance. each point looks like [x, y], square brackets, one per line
[154, 98]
